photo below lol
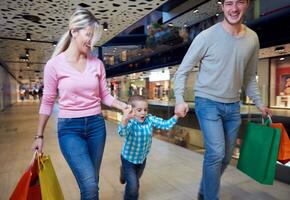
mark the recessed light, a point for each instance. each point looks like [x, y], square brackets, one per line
[28, 36]
[105, 26]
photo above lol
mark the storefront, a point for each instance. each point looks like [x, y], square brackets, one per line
[280, 82]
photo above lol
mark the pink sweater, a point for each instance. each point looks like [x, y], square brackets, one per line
[79, 94]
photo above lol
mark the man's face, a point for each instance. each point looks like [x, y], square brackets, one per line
[234, 10]
[140, 110]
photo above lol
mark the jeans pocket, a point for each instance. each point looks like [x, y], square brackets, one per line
[206, 109]
[62, 124]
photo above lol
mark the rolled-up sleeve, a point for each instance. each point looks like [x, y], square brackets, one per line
[104, 92]
[50, 82]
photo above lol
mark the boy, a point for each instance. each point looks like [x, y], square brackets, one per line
[136, 126]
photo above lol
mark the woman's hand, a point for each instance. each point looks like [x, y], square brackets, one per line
[128, 112]
[37, 145]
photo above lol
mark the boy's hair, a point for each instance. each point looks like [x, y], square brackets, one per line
[132, 100]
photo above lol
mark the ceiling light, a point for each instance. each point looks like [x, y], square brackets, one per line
[170, 24]
[23, 58]
[195, 11]
[27, 52]
[280, 50]
[105, 26]
[54, 43]
[219, 2]
[217, 14]
[185, 25]
[282, 58]
[28, 36]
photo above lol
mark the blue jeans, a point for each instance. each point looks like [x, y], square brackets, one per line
[82, 142]
[219, 123]
[132, 173]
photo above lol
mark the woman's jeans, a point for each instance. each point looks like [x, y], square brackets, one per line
[82, 142]
[132, 173]
[219, 123]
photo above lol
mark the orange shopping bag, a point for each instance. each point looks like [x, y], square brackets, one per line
[28, 187]
[284, 148]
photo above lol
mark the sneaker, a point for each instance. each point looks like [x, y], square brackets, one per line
[200, 196]
[122, 180]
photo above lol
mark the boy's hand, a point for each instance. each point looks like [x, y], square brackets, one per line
[128, 114]
[127, 110]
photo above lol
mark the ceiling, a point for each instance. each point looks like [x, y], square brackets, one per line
[50, 20]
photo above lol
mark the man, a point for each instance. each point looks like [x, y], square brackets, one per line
[228, 56]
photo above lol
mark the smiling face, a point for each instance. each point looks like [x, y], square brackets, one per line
[234, 11]
[140, 109]
[83, 39]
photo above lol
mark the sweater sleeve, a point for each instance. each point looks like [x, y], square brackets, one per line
[250, 82]
[104, 92]
[194, 54]
[50, 83]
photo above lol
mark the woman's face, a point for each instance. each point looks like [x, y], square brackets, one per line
[83, 39]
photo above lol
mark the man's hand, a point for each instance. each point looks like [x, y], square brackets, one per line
[265, 111]
[181, 109]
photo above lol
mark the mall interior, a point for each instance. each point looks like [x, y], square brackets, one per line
[142, 46]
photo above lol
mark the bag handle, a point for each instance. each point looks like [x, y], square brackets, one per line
[33, 158]
[268, 121]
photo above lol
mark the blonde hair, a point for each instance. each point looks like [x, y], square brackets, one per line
[80, 19]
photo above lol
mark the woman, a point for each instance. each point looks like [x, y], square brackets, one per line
[79, 80]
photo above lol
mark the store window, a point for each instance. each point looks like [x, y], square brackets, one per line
[280, 82]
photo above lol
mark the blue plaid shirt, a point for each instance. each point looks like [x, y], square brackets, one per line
[138, 136]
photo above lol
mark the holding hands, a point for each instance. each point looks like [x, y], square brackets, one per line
[128, 114]
[181, 109]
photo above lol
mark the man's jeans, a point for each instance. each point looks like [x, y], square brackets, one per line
[219, 123]
[132, 173]
[82, 142]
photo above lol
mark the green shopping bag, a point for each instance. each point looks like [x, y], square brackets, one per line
[50, 188]
[259, 151]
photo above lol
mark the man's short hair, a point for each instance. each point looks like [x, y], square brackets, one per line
[133, 99]
[224, 1]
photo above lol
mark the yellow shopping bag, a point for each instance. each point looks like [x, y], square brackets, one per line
[50, 188]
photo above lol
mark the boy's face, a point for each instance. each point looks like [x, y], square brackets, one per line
[140, 110]
[234, 10]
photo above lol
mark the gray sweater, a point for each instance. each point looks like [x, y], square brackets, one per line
[227, 63]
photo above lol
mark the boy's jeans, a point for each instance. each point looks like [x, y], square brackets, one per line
[82, 142]
[219, 123]
[132, 173]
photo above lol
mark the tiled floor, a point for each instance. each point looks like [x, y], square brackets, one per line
[172, 172]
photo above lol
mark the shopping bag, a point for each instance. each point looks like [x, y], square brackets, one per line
[28, 187]
[284, 148]
[259, 152]
[50, 188]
